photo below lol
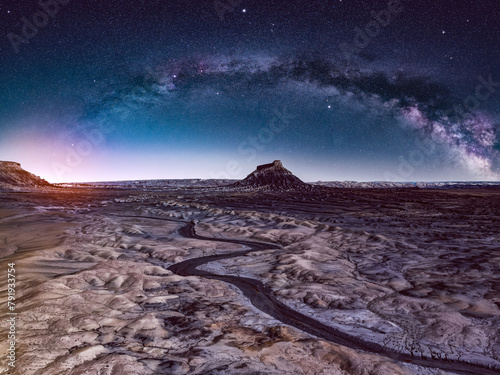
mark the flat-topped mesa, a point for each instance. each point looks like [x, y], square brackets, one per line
[276, 163]
[11, 174]
[9, 164]
[272, 176]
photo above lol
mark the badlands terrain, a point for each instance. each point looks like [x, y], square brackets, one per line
[111, 278]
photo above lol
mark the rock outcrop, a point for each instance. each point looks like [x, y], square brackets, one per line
[272, 176]
[12, 175]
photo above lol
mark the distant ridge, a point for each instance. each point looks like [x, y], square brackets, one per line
[272, 176]
[415, 185]
[12, 175]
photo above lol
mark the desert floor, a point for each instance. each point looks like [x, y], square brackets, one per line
[414, 271]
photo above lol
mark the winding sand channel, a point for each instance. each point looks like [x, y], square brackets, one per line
[262, 297]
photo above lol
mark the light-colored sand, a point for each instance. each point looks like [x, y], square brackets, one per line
[93, 298]
[94, 295]
[392, 292]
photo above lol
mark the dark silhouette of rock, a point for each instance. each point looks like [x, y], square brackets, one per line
[12, 175]
[272, 176]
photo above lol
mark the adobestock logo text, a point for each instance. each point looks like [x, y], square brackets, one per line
[38, 20]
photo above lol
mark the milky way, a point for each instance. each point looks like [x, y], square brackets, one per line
[415, 103]
[150, 90]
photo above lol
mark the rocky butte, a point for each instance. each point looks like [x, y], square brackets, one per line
[272, 176]
[12, 175]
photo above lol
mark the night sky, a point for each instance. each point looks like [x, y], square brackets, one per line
[336, 89]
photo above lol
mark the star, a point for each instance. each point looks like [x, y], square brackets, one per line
[244, 10]
[443, 32]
